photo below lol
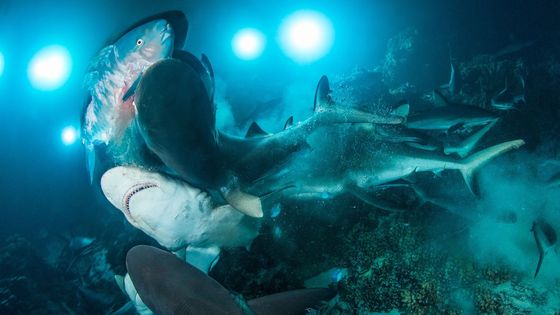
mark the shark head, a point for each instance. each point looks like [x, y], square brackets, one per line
[173, 212]
[161, 206]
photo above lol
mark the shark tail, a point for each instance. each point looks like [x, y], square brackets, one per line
[470, 165]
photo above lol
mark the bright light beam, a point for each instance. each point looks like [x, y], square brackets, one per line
[69, 135]
[248, 44]
[50, 68]
[1, 64]
[306, 36]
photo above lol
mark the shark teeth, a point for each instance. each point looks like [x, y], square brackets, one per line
[131, 192]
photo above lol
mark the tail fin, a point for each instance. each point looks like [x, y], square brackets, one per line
[471, 164]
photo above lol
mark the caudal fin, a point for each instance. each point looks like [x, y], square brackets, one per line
[471, 164]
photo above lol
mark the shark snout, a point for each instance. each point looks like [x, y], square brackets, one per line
[121, 183]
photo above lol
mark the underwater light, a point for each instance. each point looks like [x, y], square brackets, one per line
[1, 64]
[248, 44]
[50, 68]
[306, 36]
[69, 135]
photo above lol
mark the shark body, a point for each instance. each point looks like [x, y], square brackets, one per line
[176, 214]
[448, 116]
[177, 122]
[163, 284]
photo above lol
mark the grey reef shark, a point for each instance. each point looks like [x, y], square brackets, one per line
[166, 285]
[178, 123]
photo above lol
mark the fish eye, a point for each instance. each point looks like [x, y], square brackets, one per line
[139, 42]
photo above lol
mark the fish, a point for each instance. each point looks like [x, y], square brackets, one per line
[421, 140]
[464, 147]
[167, 285]
[177, 215]
[362, 166]
[448, 116]
[111, 79]
[506, 99]
[390, 162]
[453, 85]
[513, 48]
[545, 238]
[374, 165]
[178, 125]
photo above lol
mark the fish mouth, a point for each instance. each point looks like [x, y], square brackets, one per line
[133, 191]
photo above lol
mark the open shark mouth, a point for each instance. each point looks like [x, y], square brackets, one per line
[131, 192]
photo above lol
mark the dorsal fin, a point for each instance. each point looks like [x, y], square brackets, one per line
[322, 94]
[289, 123]
[402, 110]
[255, 131]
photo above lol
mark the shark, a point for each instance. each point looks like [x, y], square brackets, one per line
[178, 216]
[177, 122]
[447, 116]
[161, 283]
[545, 239]
[363, 166]
[506, 99]
[454, 84]
[425, 141]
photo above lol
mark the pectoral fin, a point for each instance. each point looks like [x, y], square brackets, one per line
[203, 258]
[245, 203]
[119, 280]
[132, 89]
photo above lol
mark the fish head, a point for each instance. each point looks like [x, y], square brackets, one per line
[149, 42]
[159, 205]
[112, 79]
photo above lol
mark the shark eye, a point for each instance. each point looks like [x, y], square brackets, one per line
[139, 42]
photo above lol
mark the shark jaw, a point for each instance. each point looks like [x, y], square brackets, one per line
[142, 197]
[120, 184]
